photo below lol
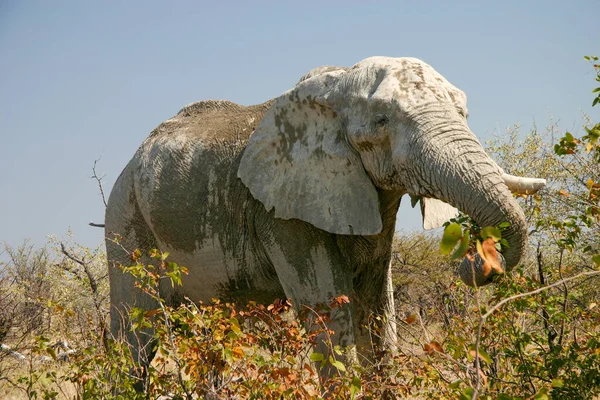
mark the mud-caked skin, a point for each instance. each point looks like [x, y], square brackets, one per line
[297, 197]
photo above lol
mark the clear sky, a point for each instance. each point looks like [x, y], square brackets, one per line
[81, 80]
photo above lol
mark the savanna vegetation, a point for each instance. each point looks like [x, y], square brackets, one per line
[534, 334]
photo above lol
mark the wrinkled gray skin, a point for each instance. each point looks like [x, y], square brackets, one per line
[297, 197]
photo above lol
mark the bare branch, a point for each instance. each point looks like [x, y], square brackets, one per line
[95, 225]
[555, 284]
[99, 180]
[483, 317]
[92, 280]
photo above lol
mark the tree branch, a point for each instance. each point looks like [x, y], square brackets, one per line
[99, 180]
[92, 280]
[555, 284]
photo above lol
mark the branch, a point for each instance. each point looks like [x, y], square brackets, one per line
[555, 284]
[99, 180]
[95, 225]
[483, 317]
[92, 280]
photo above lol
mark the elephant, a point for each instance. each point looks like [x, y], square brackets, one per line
[297, 197]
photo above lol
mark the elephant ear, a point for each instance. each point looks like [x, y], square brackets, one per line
[436, 212]
[299, 163]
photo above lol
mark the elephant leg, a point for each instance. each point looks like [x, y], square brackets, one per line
[125, 296]
[375, 318]
[375, 325]
[310, 269]
[125, 221]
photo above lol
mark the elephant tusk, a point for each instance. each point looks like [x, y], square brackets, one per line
[521, 185]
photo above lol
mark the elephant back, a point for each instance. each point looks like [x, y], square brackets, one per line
[213, 121]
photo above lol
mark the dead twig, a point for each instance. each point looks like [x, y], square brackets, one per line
[555, 284]
[99, 180]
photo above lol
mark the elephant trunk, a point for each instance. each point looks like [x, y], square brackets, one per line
[457, 171]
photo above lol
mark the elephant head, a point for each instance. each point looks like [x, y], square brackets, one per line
[327, 147]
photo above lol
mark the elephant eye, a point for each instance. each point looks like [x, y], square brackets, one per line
[381, 120]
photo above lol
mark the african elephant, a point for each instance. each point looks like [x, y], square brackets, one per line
[297, 197]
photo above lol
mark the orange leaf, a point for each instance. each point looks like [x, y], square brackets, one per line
[150, 313]
[342, 299]
[488, 253]
[433, 346]
[308, 368]
[564, 193]
[410, 319]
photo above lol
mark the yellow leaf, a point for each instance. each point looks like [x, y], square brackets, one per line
[238, 351]
[589, 147]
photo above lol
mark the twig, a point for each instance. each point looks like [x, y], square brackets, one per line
[99, 180]
[565, 300]
[427, 338]
[550, 331]
[478, 339]
[92, 280]
[518, 296]
[95, 225]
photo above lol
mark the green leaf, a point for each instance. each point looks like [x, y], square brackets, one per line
[569, 137]
[596, 100]
[596, 259]
[557, 383]
[504, 225]
[317, 357]
[355, 387]
[455, 384]
[491, 231]
[467, 394]
[337, 364]
[462, 247]
[485, 356]
[52, 353]
[482, 354]
[542, 394]
[452, 234]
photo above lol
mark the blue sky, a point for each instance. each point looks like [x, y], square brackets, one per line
[81, 80]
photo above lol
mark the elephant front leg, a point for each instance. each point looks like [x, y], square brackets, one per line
[312, 272]
[375, 321]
